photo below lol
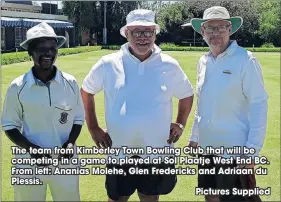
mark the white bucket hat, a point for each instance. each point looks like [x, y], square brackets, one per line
[140, 17]
[216, 13]
[39, 31]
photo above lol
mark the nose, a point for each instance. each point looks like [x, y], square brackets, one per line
[142, 36]
[216, 32]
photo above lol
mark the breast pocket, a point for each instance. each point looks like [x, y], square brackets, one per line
[63, 115]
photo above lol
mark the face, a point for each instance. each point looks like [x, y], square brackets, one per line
[216, 33]
[141, 39]
[44, 53]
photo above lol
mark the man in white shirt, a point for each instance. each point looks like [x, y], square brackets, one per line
[232, 102]
[139, 82]
[43, 109]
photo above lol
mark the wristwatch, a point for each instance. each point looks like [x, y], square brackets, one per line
[69, 145]
[180, 125]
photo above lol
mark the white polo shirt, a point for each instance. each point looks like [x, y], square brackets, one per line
[44, 113]
[138, 96]
[232, 100]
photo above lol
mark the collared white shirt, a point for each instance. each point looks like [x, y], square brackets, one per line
[44, 113]
[138, 96]
[232, 100]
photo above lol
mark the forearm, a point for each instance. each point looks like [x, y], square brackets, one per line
[18, 139]
[184, 108]
[90, 112]
[74, 134]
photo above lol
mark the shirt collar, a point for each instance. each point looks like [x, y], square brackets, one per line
[125, 48]
[229, 51]
[32, 80]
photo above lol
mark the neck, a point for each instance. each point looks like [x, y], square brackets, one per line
[218, 50]
[44, 75]
[140, 57]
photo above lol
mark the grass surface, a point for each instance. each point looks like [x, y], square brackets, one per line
[92, 187]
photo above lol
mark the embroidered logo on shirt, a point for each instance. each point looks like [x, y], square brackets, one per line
[227, 72]
[63, 117]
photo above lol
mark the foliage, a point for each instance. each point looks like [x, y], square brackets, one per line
[269, 21]
[89, 15]
[261, 19]
[173, 47]
[10, 58]
[267, 45]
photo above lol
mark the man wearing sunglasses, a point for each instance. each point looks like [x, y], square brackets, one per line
[139, 82]
[43, 109]
[231, 107]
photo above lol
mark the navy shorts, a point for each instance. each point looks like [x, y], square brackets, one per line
[120, 185]
[219, 181]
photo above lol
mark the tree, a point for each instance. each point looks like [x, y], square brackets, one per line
[89, 15]
[269, 21]
[174, 15]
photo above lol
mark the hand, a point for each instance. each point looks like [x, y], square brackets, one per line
[175, 133]
[39, 156]
[193, 145]
[101, 138]
[66, 145]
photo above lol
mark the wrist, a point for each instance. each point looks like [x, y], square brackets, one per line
[181, 126]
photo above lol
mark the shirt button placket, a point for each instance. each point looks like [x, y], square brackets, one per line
[141, 69]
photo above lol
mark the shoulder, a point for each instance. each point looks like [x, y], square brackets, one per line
[18, 83]
[111, 57]
[244, 55]
[168, 60]
[68, 77]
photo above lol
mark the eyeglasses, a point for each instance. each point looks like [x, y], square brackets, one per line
[221, 29]
[145, 33]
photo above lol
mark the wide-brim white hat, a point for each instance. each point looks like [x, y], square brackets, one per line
[140, 17]
[216, 13]
[39, 31]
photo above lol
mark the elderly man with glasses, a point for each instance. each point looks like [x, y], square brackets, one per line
[139, 82]
[231, 106]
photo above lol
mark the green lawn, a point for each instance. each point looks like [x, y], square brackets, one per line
[92, 187]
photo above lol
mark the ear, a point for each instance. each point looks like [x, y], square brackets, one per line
[126, 33]
[230, 29]
[202, 31]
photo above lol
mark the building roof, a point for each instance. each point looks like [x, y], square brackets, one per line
[25, 22]
[20, 2]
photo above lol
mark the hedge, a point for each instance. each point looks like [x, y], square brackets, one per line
[172, 47]
[10, 58]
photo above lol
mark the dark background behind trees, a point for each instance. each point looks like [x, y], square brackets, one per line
[261, 19]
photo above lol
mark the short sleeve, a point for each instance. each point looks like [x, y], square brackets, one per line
[183, 87]
[12, 110]
[94, 81]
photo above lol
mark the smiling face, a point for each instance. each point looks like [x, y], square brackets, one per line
[216, 33]
[44, 53]
[141, 40]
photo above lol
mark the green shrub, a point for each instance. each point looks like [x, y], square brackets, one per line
[111, 47]
[268, 45]
[264, 49]
[173, 47]
[10, 58]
